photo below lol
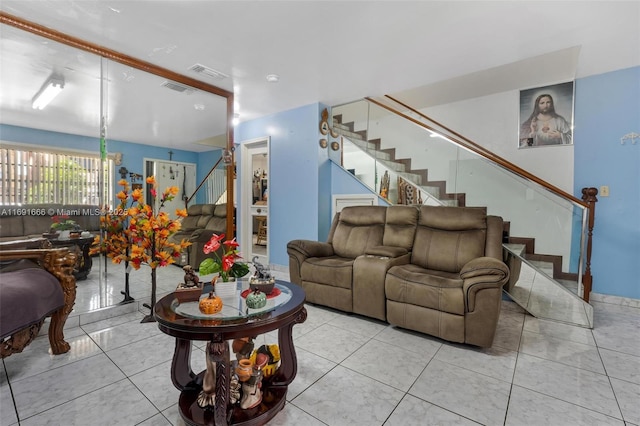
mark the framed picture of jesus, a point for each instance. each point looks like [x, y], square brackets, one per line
[546, 116]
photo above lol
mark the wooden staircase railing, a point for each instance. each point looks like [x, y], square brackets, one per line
[589, 197]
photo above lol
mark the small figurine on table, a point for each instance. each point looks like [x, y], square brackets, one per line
[262, 272]
[190, 277]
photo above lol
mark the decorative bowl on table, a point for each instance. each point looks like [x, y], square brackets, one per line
[265, 285]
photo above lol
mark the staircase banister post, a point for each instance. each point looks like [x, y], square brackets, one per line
[589, 197]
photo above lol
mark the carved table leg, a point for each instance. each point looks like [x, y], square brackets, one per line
[288, 360]
[220, 356]
[181, 373]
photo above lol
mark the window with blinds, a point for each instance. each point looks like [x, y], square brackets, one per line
[36, 177]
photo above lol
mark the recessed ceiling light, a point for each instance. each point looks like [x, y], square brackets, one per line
[199, 107]
[273, 78]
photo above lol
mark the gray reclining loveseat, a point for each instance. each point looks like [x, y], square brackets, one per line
[436, 270]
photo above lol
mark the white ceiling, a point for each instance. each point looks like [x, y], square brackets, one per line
[332, 52]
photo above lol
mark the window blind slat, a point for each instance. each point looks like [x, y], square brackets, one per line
[39, 177]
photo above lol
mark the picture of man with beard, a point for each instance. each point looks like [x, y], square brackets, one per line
[545, 126]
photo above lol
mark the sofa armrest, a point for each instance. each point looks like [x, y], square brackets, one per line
[299, 251]
[308, 248]
[386, 251]
[482, 273]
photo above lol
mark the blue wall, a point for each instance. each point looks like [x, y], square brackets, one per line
[294, 164]
[607, 106]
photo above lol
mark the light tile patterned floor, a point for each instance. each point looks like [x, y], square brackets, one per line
[351, 371]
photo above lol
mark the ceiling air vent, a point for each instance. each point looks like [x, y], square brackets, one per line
[209, 72]
[177, 87]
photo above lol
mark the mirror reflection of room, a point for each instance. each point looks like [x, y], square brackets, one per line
[69, 131]
[260, 185]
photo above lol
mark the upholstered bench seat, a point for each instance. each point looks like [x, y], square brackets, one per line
[20, 305]
[34, 284]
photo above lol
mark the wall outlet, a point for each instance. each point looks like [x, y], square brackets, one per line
[604, 191]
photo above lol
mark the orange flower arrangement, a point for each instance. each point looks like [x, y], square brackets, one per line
[149, 231]
[137, 234]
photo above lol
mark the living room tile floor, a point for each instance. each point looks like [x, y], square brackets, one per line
[351, 371]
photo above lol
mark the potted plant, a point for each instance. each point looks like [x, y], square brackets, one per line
[63, 226]
[227, 267]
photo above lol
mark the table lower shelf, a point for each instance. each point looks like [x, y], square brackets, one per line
[273, 400]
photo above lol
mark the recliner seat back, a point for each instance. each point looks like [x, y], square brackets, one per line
[400, 227]
[448, 237]
[358, 228]
[197, 216]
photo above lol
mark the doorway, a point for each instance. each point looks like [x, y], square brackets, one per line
[255, 199]
[171, 173]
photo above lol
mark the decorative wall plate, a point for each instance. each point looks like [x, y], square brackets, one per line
[323, 143]
[334, 133]
[335, 146]
[324, 127]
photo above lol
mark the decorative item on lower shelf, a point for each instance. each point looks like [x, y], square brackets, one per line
[210, 305]
[191, 289]
[252, 387]
[244, 369]
[256, 300]
[261, 279]
[273, 358]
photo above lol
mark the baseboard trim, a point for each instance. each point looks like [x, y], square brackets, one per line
[614, 300]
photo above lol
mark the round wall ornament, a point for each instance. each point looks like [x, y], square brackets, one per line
[324, 127]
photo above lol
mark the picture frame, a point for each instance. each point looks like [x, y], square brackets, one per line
[546, 116]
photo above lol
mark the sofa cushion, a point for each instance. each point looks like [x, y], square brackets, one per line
[220, 210]
[418, 286]
[448, 237]
[86, 216]
[197, 216]
[358, 228]
[400, 227]
[11, 226]
[334, 271]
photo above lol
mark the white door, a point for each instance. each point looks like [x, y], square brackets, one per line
[255, 200]
[172, 173]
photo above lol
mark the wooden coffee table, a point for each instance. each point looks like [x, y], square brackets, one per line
[186, 323]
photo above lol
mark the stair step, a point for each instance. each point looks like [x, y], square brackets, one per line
[367, 146]
[432, 190]
[347, 131]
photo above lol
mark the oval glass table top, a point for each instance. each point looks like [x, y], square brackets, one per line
[283, 300]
